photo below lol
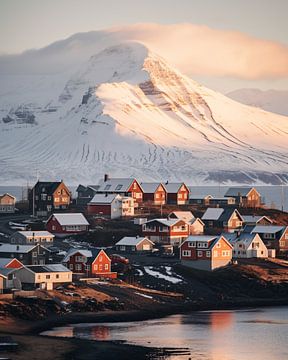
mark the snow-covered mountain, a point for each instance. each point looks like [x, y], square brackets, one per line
[127, 112]
[270, 100]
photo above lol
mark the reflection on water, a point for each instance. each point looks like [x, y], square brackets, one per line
[212, 335]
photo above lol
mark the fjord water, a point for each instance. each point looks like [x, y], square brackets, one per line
[258, 334]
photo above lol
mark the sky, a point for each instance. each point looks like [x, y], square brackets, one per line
[258, 29]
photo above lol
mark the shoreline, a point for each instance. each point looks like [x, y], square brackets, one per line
[149, 314]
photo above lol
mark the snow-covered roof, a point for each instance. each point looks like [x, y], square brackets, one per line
[116, 185]
[235, 191]
[254, 219]
[199, 197]
[212, 214]
[132, 241]
[166, 222]
[173, 187]
[267, 229]
[103, 198]
[83, 252]
[48, 268]
[35, 233]
[71, 219]
[182, 215]
[11, 248]
[150, 187]
[201, 238]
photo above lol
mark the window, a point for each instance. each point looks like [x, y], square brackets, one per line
[78, 267]
[53, 227]
[107, 187]
[87, 267]
[47, 276]
[199, 253]
[191, 244]
[218, 245]
[122, 247]
[100, 258]
[20, 256]
[79, 258]
[208, 254]
[227, 252]
[57, 276]
[106, 267]
[186, 252]
[49, 197]
[215, 253]
[34, 254]
[56, 199]
[135, 185]
[71, 266]
[95, 267]
[119, 187]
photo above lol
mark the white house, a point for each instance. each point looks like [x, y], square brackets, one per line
[131, 244]
[44, 276]
[249, 246]
[32, 237]
[112, 206]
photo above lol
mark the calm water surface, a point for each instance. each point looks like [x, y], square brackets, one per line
[258, 334]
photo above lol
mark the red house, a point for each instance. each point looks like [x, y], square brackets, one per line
[67, 224]
[166, 231]
[205, 252]
[122, 186]
[177, 193]
[9, 263]
[154, 193]
[89, 263]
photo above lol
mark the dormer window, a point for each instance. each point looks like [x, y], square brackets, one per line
[107, 187]
[119, 187]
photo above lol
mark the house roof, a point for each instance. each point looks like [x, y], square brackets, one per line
[21, 249]
[103, 198]
[47, 268]
[254, 219]
[83, 252]
[166, 222]
[115, 185]
[132, 241]
[173, 187]
[212, 214]
[182, 215]
[267, 229]
[71, 219]
[236, 191]
[35, 233]
[50, 186]
[231, 237]
[6, 271]
[200, 197]
[227, 213]
[6, 194]
[5, 261]
[150, 187]
[210, 239]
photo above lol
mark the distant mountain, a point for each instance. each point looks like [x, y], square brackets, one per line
[127, 112]
[271, 100]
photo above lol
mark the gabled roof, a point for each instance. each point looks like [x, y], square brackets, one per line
[104, 198]
[268, 229]
[132, 241]
[174, 187]
[195, 220]
[20, 249]
[70, 219]
[95, 253]
[6, 261]
[50, 186]
[236, 191]
[150, 188]
[6, 194]
[200, 197]
[71, 252]
[247, 238]
[231, 237]
[212, 214]
[166, 222]
[210, 239]
[182, 215]
[35, 233]
[227, 213]
[116, 185]
[84, 188]
[254, 219]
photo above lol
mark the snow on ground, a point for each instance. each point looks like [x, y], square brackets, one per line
[144, 295]
[149, 270]
[140, 272]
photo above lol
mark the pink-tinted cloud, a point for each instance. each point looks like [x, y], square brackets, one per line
[200, 50]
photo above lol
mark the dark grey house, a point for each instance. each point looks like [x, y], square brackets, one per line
[27, 254]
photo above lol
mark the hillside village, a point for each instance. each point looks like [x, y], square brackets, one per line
[158, 239]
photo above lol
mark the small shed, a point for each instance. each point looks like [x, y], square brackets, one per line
[132, 244]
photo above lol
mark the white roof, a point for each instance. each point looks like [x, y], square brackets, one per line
[133, 241]
[267, 229]
[83, 252]
[116, 185]
[71, 219]
[183, 215]
[167, 222]
[48, 268]
[235, 191]
[253, 218]
[200, 197]
[35, 233]
[212, 214]
[11, 248]
[150, 187]
[104, 198]
[201, 238]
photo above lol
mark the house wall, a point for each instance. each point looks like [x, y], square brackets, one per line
[77, 264]
[179, 198]
[20, 239]
[233, 223]
[127, 207]
[99, 209]
[283, 242]
[7, 204]
[29, 277]
[168, 234]
[196, 228]
[101, 264]
[61, 197]
[136, 192]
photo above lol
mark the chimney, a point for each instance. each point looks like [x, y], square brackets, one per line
[17, 247]
[166, 182]
[106, 177]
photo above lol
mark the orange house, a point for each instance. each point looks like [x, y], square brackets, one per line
[205, 252]
[154, 193]
[100, 266]
[9, 263]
